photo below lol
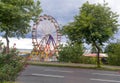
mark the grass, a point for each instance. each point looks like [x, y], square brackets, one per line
[7, 82]
[73, 65]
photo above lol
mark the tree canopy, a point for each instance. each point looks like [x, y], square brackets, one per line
[113, 50]
[16, 15]
[94, 24]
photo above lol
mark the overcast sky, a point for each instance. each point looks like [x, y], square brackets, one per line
[63, 11]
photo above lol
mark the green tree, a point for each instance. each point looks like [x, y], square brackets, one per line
[94, 24]
[113, 50]
[15, 17]
[71, 53]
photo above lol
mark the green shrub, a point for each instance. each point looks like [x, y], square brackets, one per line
[114, 60]
[113, 50]
[70, 53]
[10, 65]
[74, 53]
[88, 60]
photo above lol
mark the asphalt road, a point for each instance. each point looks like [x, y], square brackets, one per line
[41, 74]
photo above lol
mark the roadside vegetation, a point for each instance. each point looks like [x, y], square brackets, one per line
[71, 53]
[113, 50]
[74, 54]
[95, 25]
[15, 18]
[10, 64]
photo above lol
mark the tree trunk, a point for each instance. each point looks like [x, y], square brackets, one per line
[98, 58]
[7, 41]
[98, 55]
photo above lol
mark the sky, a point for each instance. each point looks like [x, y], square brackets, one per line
[63, 11]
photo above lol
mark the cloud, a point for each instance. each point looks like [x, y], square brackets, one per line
[62, 10]
[20, 43]
[65, 10]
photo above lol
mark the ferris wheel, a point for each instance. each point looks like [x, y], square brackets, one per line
[46, 35]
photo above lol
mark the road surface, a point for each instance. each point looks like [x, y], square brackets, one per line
[41, 74]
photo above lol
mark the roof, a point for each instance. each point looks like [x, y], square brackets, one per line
[95, 54]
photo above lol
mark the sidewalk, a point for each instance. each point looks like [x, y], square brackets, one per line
[75, 65]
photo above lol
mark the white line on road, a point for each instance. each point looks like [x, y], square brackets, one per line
[45, 75]
[106, 74]
[58, 71]
[103, 80]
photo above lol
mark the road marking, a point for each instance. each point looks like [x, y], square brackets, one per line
[45, 75]
[105, 74]
[58, 71]
[103, 80]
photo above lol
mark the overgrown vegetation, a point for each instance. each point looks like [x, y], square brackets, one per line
[87, 60]
[10, 64]
[71, 53]
[95, 24]
[15, 18]
[74, 53]
[113, 50]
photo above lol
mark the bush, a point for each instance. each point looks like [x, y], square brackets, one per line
[88, 60]
[70, 53]
[10, 65]
[113, 50]
[74, 53]
[114, 60]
